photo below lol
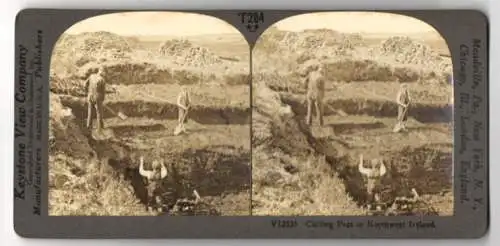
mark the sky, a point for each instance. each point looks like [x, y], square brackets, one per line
[154, 23]
[187, 24]
[367, 22]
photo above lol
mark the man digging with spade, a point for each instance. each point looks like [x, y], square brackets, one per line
[95, 88]
[183, 104]
[314, 83]
[403, 100]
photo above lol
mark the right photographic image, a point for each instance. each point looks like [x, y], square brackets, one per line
[352, 115]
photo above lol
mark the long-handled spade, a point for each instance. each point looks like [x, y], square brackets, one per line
[399, 125]
[197, 197]
[178, 128]
[337, 111]
[120, 114]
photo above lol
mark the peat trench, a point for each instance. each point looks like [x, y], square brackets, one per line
[160, 111]
[425, 113]
[213, 172]
[424, 168]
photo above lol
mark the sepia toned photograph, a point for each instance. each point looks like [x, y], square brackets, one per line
[150, 115]
[352, 116]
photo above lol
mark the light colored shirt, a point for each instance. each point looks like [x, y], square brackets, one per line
[183, 99]
[95, 87]
[315, 85]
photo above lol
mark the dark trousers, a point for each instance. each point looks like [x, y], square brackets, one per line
[318, 105]
[94, 106]
[402, 114]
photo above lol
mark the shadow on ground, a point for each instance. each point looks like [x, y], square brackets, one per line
[159, 110]
[347, 128]
[425, 113]
[137, 129]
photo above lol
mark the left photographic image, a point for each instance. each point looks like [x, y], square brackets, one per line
[150, 115]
